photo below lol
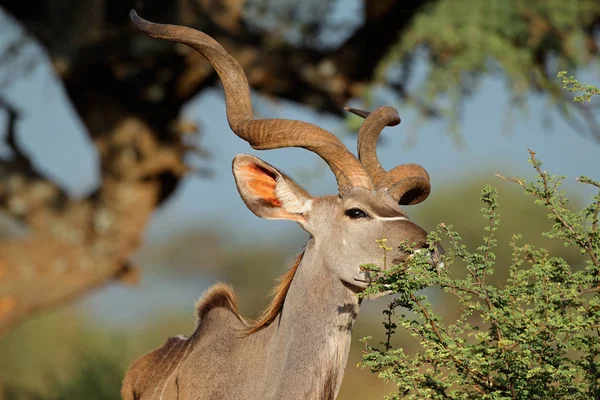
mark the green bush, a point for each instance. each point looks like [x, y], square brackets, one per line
[534, 335]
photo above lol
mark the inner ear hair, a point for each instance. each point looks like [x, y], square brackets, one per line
[267, 192]
[294, 199]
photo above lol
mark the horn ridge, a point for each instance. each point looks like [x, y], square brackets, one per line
[367, 138]
[406, 183]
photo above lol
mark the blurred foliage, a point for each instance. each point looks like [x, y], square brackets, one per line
[62, 355]
[306, 23]
[8, 227]
[94, 379]
[463, 41]
[532, 335]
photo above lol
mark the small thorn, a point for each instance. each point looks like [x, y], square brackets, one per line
[516, 180]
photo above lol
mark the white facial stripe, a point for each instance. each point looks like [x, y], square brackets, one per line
[378, 218]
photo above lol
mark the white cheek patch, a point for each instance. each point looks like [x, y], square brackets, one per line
[378, 218]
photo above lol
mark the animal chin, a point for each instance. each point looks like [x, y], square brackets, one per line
[358, 286]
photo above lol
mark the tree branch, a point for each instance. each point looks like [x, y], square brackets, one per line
[23, 189]
[85, 243]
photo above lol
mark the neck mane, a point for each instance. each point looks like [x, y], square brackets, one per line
[278, 298]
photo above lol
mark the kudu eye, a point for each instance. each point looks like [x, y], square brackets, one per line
[356, 213]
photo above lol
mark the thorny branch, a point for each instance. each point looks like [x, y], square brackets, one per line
[481, 378]
[548, 202]
[546, 198]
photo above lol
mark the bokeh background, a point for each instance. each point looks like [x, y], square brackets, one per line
[117, 204]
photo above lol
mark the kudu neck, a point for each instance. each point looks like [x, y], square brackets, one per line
[315, 326]
[316, 292]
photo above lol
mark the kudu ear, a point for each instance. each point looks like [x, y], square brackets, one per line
[267, 192]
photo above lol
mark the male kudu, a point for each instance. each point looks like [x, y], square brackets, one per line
[298, 349]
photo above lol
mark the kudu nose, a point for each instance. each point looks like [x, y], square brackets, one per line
[436, 252]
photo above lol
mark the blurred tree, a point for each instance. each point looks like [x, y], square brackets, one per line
[129, 91]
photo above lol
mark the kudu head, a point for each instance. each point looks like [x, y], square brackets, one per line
[344, 228]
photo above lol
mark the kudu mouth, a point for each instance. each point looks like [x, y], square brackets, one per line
[435, 259]
[435, 255]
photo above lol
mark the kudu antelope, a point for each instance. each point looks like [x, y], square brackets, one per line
[299, 347]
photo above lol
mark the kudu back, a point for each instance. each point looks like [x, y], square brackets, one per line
[299, 347]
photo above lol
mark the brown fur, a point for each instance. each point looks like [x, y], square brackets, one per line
[150, 370]
[219, 295]
[278, 293]
[330, 386]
